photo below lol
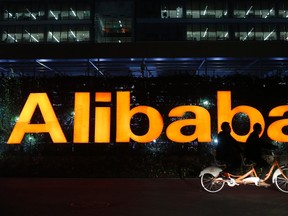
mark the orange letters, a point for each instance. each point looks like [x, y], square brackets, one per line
[51, 125]
[124, 114]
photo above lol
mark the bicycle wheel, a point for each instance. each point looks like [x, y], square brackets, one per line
[210, 184]
[281, 182]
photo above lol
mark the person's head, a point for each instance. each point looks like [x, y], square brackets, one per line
[257, 128]
[225, 126]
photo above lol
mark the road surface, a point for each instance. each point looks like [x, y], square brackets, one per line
[133, 197]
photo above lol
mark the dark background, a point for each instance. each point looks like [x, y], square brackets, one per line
[37, 156]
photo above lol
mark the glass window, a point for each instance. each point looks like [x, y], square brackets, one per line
[116, 25]
[257, 9]
[83, 11]
[9, 35]
[207, 32]
[284, 33]
[256, 32]
[269, 32]
[171, 10]
[69, 11]
[206, 9]
[82, 34]
[193, 9]
[243, 9]
[245, 32]
[222, 32]
[26, 12]
[221, 9]
[283, 9]
[57, 34]
[33, 34]
[113, 21]
[54, 12]
[12, 34]
[193, 32]
[54, 35]
[23, 34]
[9, 14]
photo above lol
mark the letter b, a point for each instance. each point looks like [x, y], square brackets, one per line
[124, 115]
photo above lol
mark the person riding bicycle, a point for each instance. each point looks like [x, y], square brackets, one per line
[228, 149]
[254, 147]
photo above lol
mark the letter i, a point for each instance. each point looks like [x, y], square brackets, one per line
[81, 117]
[102, 118]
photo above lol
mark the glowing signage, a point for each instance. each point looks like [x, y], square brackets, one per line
[124, 113]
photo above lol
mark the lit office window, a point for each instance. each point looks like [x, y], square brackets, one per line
[207, 32]
[245, 32]
[269, 33]
[284, 33]
[222, 32]
[265, 9]
[256, 32]
[54, 35]
[83, 11]
[69, 11]
[206, 9]
[113, 21]
[9, 37]
[193, 9]
[81, 34]
[54, 12]
[33, 34]
[64, 34]
[243, 9]
[171, 10]
[116, 26]
[256, 9]
[9, 14]
[193, 32]
[12, 34]
[283, 9]
[23, 12]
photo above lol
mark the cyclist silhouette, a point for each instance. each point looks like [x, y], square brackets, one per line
[228, 149]
[254, 147]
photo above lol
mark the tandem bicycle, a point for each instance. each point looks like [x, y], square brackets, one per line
[213, 181]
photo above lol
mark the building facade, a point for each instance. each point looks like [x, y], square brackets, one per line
[203, 33]
[109, 21]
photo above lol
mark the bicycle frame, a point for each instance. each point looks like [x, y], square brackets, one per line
[212, 182]
[252, 173]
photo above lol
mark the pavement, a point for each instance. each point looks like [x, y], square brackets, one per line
[134, 197]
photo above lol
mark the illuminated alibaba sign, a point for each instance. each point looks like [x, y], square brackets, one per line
[124, 113]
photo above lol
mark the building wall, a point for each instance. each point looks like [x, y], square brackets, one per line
[102, 21]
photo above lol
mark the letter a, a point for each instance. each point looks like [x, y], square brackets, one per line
[51, 125]
[202, 123]
[274, 131]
